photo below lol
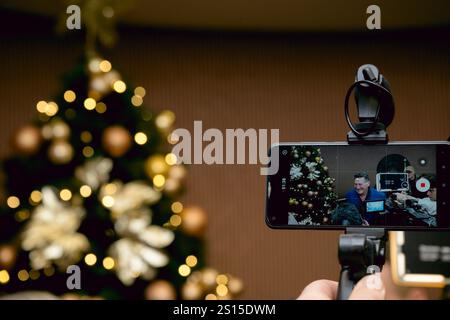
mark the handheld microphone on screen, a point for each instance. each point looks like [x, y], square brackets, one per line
[375, 107]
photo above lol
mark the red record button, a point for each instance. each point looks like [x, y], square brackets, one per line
[423, 185]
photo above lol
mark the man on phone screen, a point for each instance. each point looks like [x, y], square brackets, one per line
[363, 192]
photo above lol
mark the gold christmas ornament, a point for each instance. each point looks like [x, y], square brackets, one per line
[160, 290]
[27, 140]
[116, 140]
[194, 221]
[8, 255]
[60, 152]
[51, 234]
[156, 164]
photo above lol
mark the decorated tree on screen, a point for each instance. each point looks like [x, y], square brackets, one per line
[312, 191]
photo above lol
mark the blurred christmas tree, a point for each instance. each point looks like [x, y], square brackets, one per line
[93, 184]
[312, 192]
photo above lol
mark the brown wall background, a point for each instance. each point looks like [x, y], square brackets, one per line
[292, 82]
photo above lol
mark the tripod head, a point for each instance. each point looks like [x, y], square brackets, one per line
[362, 250]
[375, 107]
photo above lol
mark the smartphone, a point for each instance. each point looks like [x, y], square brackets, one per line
[420, 259]
[398, 186]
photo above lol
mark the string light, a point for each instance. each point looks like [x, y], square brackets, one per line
[177, 207]
[52, 109]
[41, 106]
[108, 263]
[94, 65]
[108, 201]
[211, 296]
[88, 151]
[173, 138]
[36, 196]
[90, 259]
[159, 180]
[90, 104]
[119, 86]
[23, 275]
[22, 215]
[171, 159]
[222, 279]
[70, 96]
[165, 119]
[139, 91]
[136, 101]
[100, 107]
[34, 274]
[4, 276]
[140, 138]
[86, 136]
[105, 66]
[49, 271]
[110, 188]
[221, 290]
[184, 270]
[65, 194]
[85, 191]
[191, 261]
[175, 220]
[13, 202]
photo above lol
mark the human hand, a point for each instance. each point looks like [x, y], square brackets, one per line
[327, 290]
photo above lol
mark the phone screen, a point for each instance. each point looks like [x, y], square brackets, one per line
[396, 186]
